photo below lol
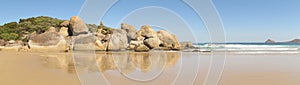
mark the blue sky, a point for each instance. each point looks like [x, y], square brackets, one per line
[244, 20]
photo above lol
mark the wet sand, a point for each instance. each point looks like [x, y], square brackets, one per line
[28, 68]
[279, 69]
[19, 68]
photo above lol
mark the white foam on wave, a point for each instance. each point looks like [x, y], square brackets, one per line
[251, 48]
[268, 52]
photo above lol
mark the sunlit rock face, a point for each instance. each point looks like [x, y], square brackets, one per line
[70, 33]
[131, 31]
[51, 40]
[126, 63]
[64, 31]
[84, 42]
[118, 40]
[168, 40]
[77, 26]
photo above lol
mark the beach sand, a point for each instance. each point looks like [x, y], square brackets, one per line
[33, 68]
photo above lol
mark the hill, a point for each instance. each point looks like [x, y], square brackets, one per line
[19, 30]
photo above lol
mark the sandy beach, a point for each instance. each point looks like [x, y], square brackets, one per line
[33, 68]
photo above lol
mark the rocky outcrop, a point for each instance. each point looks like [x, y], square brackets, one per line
[2, 42]
[294, 41]
[101, 46]
[131, 31]
[168, 40]
[118, 40]
[86, 42]
[152, 42]
[10, 45]
[141, 48]
[186, 45]
[146, 31]
[50, 40]
[102, 42]
[146, 36]
[65, 23]
[51, 29]
[77, 26]
[270, 41]
[64, 31]
[74, 34]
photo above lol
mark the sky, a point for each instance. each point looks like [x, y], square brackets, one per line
[243, 20]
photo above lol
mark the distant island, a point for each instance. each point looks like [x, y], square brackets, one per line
[51, 34]
[292, 41]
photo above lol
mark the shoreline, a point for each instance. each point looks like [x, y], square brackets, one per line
[128, 51]
[59, 67]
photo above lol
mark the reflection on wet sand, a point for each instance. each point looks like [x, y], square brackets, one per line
[59, 62]
[119, 68]
[125, 62]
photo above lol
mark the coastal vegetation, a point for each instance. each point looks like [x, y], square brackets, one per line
[19, 30]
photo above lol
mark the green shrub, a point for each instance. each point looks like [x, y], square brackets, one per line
[15, 31]
[9, 36]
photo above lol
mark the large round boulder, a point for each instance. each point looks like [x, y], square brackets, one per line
[146, 31]
[152, 42]
[131, 31]
[87, 42]
[49, 41]
[168, 40]
[46, 39]
[117, 40]
[77, 26]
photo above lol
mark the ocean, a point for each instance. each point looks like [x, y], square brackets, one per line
[250, 48]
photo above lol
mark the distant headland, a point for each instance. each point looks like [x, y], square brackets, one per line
[292, 41]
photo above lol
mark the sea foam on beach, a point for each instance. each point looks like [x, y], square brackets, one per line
[252, 48]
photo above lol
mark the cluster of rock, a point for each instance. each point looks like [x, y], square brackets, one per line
[146, 39]
[51, 40]
[12, 45]
[75, 34]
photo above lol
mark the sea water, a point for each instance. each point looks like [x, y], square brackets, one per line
[255, 48]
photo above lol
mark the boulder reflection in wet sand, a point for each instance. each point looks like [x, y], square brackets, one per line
[172, 59]
[125, 62]
[59, 62]
[141, 61]
[85, 62]
[130, 62]
[105, 62]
